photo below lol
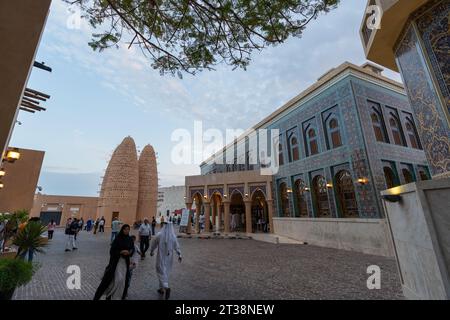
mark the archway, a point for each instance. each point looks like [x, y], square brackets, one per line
[320, 198]
[284, 200]
[346, 195]
[260, 213]
[237, 212]
[407, 175]
[197, 203]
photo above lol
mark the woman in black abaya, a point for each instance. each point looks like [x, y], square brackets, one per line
[115, 281]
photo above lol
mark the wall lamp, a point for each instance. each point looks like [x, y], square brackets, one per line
[363, 180]
[1, 185]
[12, 155]
[329, 185]
[289, 190]
[307, 189]
[392, 198]
[2, 172]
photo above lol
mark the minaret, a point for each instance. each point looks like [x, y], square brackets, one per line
[119, 192]
[148, 184]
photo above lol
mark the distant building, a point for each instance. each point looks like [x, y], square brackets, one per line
[170, 199]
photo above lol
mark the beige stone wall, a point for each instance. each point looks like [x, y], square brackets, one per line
[20, 181]
[22, 23]
[70, 206]
[119, 191]
[148, 184]
[369, 236]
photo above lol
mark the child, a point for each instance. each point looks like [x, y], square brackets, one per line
[133, 261]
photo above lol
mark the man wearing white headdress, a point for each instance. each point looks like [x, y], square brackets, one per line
[166, 242]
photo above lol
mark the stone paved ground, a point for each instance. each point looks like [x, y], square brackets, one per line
[220, 269]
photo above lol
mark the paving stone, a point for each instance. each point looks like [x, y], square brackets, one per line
[220, 269]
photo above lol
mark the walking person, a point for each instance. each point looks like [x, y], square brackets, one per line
[88, 225]
[144, 237]
[51, 229]
[115, 228]
[134, 260]
[71, 231]
[115, 279]
[96, 225]
[153, 225]
[80, 224]
[101, 225]
[166, 242]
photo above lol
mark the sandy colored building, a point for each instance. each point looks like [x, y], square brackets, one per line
[60, 208]
[129, 189]
[24, 20]
[120, 187]
[20, 181]
[148, 184]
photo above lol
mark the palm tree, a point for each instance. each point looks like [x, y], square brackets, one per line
[29, 239]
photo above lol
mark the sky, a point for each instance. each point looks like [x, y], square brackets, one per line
[97, 99]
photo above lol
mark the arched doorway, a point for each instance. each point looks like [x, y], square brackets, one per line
[284, 200]
[321, 196]
[300, 198]
[260, 216]
[197, 204]
[237, 212]
[345, 190]
[216, 212]
[390, 177]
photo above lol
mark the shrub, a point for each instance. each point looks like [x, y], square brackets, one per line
[14, 273]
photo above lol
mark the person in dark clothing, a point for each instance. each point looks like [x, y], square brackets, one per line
[153, 225]
[114, 284]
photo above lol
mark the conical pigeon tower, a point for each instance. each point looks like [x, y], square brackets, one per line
[148, 184]
[119, 192]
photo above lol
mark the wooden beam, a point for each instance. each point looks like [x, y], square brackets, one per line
[38, 93]
[31, 106]
[27, 110]
[30, 95]
[30, 100]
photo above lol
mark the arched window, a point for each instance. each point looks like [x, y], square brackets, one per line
[334, 134]
[284, 200]
[390, 177]
[294, 148]
[424, 175]
[407, 175]
[311, 142]
[302, 208]
[378, 127]
[412, 134]
[321, 196]
[280, 154]
[396, 130]
[346, 194]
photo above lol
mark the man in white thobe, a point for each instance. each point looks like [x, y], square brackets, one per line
[166, 242]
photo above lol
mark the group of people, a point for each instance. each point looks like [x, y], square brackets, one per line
[124, 257]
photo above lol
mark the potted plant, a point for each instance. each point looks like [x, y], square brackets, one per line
[29, 239]
[13, 273]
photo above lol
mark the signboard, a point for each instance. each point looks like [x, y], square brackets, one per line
[184, 218]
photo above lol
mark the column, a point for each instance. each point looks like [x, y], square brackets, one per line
[214, 213]
[218, 216]
[270, 208]
[189, 226]
[226, 212]
[248, 216]
[207, 214]
[197, 216]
